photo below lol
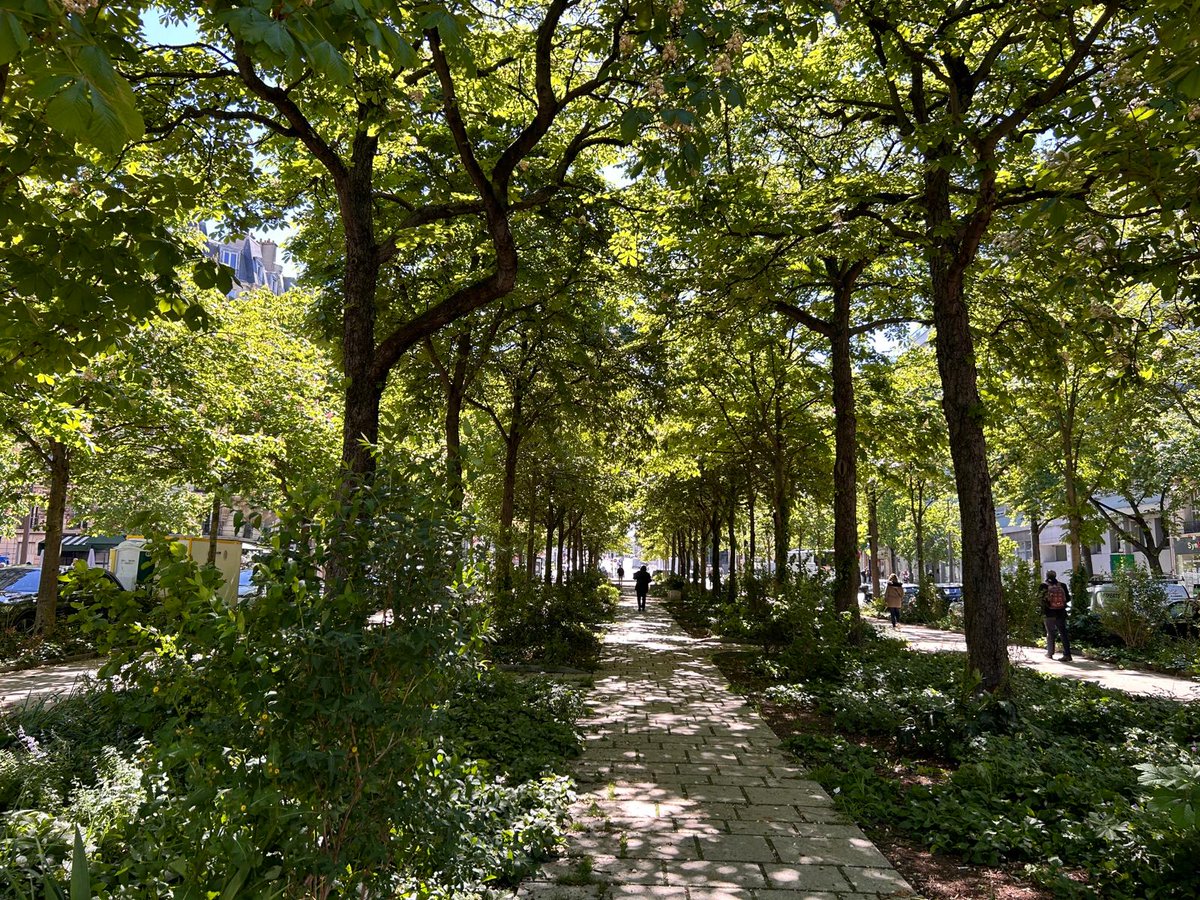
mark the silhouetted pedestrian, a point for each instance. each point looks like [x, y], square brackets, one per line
[641, 584]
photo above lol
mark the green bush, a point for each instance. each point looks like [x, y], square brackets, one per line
[553, 625]
[301, 744]
[1022, 604]
[1137, 611]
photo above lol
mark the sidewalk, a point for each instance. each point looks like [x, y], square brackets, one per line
[44, 682]
[685, 793]
[1132, 681]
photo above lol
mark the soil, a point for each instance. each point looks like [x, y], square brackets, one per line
[935, 876]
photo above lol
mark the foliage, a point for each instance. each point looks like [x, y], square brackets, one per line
[1022, 605]
[22, 650]
[1050, 779]
[1138, 608]
[553, 625]
[300, 745]
[522, 727]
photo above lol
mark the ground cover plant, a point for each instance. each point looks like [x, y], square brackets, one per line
[292, 746]
[1088, 789]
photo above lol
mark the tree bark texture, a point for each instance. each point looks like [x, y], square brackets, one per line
[214, 528]
[873, 538]
[984, 622]
[715, 532]
[846, 576]
[45, 616]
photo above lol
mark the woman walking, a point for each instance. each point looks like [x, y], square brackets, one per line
[894, 598]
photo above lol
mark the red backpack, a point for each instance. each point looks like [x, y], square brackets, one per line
[1056, 596]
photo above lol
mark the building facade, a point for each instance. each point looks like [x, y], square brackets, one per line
[1180, 558]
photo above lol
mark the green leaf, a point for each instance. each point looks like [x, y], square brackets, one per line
[13, 40]
[1189, 84]
[633, 120]
[81, 880]
[326, 61]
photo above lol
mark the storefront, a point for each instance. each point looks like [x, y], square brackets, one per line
[1187, 557]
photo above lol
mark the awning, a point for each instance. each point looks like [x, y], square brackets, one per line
[82, 543]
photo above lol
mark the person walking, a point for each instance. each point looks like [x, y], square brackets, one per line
[641, 584]
[620, 576]
[1056, 600]
[893, 596]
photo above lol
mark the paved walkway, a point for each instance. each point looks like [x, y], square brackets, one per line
[1146, 684]
[685, 793]
[44, 682]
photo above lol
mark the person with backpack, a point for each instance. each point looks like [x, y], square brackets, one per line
[1056, 599]
[641, 583]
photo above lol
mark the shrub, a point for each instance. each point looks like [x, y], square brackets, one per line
[305, 743]
[1138, 609]
[1022, 604]
[553, 625]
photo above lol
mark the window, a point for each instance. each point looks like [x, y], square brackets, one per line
[229, 258]
[1054, 553]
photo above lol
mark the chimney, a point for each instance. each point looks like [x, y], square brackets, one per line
[268, 255]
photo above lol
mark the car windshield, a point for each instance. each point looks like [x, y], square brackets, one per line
[20, 580]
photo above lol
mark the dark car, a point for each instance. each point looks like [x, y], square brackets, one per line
[951, 591]
[18, 596]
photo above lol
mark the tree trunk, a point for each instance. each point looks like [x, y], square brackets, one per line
[1071, 490]
[752, 549]
[984, 622]
[531, 538]
[214, 528]
[846, 576]
[360, 283]
[504, 542]
[732, 586]
[781, 519]
[1035, 550]
[715, 530]
[26, 528]
[562, 539]
[919, 529]
[56, 506]
[456, 391]
[873, 537]
[548, 565]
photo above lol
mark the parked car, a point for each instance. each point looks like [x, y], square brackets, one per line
[18, 596]
[1101, 592]
[1183, 617]
[951, 591]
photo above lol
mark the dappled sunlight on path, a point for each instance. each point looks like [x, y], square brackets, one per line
[1145, 684]
[45, 682]
[684, 792]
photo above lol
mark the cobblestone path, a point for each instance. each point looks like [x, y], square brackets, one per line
[684, 792]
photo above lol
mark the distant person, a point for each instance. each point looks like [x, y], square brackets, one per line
[620, 575]
[1056, 600]
[641, 583]
[893, 596]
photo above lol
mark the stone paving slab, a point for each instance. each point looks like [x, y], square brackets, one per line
[685, 793]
